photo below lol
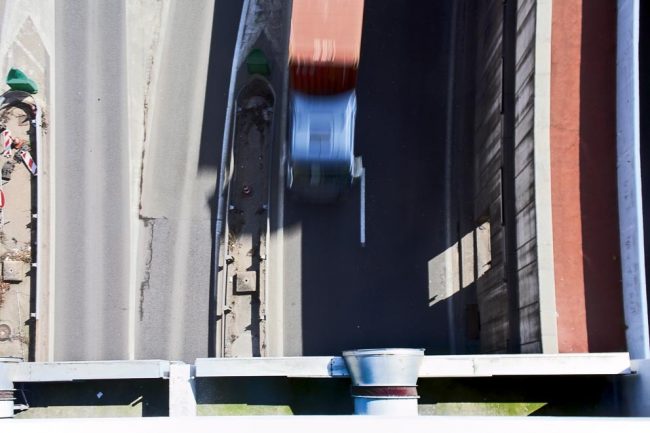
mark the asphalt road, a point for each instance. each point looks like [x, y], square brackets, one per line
[92, 189]
[179, 182]
[337, 294]
[97, 312]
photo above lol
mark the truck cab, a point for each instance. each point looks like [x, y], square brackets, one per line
[321, 163]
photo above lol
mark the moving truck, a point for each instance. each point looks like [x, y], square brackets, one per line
[324, 48]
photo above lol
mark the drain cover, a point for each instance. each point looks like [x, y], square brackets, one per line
[245, 282]
[13, 270]
[5, 332]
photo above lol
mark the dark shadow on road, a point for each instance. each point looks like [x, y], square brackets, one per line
[378, 296]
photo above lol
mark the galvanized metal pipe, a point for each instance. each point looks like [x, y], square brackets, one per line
[384, 380]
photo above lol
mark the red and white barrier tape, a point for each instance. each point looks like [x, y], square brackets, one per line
[7, 142]
[29, 161]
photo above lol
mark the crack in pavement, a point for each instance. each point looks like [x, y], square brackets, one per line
[144, 285]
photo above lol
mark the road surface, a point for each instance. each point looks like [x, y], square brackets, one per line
[339, 295]
[179, 182]
[92, 187]
[108, 305]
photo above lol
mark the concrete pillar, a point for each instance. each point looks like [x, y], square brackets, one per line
[384, 380]
[182, 392]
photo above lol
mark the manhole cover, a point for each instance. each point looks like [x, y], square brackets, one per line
[5, 332]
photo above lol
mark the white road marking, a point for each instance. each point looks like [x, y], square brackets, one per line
[362, 213]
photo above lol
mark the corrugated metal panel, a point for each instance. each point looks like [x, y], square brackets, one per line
[508, 293]
[488, 132]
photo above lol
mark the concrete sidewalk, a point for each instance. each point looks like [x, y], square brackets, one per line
[26, 42]
[16, 229]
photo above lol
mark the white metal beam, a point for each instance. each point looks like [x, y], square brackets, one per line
[432, 366]
[97, 370]
[327, 366]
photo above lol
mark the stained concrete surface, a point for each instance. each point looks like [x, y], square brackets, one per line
[26, 43]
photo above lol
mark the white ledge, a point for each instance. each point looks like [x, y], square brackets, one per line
[326, 367]
[432, 366]
[88, 370]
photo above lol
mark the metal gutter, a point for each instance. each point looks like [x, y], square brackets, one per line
[630, 205]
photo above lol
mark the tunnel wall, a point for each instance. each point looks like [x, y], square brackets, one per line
[586, 307]
[504, 192]
[492, 294]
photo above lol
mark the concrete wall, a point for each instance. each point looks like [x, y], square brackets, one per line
[580, 242]
[583, 170]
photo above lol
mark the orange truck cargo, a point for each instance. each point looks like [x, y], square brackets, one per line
[324, 45]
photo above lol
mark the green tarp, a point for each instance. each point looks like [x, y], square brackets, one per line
[17, 80]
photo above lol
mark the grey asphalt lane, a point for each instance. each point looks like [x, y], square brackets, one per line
[92, 191]
[339, 295]
[94, 306]
[179, 181]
